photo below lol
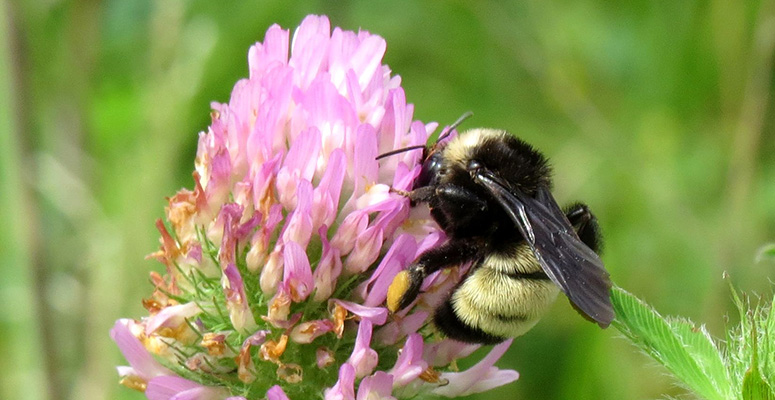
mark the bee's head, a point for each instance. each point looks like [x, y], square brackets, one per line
[431, 167]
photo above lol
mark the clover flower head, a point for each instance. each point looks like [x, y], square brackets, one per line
[279, 259]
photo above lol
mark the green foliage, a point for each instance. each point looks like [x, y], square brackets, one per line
[743, 370]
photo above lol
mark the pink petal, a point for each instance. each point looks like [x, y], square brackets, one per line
[256, 339]
[309, 47]
[396, 330]
[171, 316]
[366, 250]
[217, 188]
[303, 154]
[177, 388]
[276, 393]
[376, 387]
[297, 275]
[393, 123]
[326, 196]
[410, 363]
[367, 60]
[374, 195]
[236, 300]
[343, 390]
[328, 269]
[376, 315]
[272, 273]
[263, 178]
[444, 352]
[365, 164]
[224, 227]
[479, 378]
[134, 352]
[400, 254]
[306, 332]
[363, 357]
[299, 164]
[353, 224]
[404, 177]
[299, 225]
[274, 50]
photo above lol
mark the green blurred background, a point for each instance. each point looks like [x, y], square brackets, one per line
[659, 114]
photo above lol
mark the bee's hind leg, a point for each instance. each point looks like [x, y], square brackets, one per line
[585, 224]
[406, 285]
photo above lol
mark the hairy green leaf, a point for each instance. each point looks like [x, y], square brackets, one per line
[686, 351]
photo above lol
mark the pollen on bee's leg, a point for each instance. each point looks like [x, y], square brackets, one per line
[397, 290]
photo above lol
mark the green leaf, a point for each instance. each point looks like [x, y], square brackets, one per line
[686, 351]
[699, 345]
[755, 387]
[767, 353]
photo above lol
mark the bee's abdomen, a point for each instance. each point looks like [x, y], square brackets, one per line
[497, 301]
[448, 322]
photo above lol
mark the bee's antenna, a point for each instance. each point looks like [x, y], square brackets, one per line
[397, 151]
[443, 136]
[454, 125]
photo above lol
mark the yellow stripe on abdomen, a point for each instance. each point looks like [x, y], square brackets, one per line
[500, 305]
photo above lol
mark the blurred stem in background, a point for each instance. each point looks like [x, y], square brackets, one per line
[749, 120]
[51, 115]
[19, 306]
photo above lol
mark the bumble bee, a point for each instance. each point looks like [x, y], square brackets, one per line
[490, 193]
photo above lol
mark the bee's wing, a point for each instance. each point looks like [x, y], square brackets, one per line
[563, 256]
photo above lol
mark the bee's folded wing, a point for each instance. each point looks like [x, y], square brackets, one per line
[563, 256]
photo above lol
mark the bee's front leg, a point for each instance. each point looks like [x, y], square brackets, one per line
[420, 195]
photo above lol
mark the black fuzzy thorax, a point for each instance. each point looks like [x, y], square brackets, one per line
[519, 163]
[515, 161]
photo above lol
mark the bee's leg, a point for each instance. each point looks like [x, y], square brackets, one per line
[406, 285]
[585, 225]
[449, 192]
[419, 195]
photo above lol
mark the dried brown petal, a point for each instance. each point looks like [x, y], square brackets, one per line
[271, 350]
[291, 373]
